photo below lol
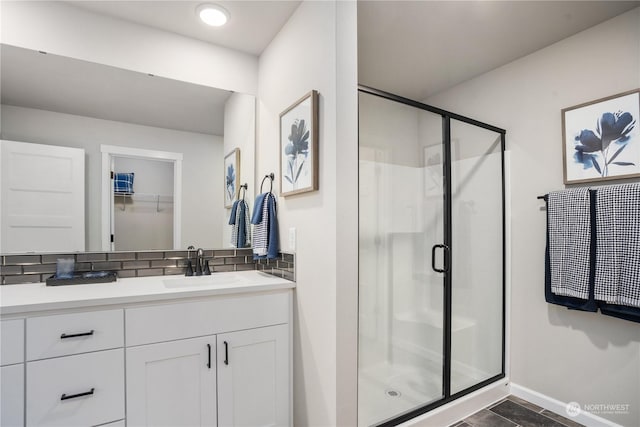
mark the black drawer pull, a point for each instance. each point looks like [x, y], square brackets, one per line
[73, 396]
[83, 334]
[209, 356]
[226, 353]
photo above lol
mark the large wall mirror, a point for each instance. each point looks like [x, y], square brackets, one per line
[169, 134]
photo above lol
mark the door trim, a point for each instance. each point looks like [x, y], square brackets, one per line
[110, 151]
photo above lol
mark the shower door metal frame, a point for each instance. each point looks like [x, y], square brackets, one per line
[448, 291]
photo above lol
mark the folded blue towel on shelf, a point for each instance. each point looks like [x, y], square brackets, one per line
[123, 182]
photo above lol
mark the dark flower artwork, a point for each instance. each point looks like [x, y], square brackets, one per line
[296, 150]
[231, 182]
[599, 148]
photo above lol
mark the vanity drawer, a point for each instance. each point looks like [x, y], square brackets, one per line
[146, 325]
[65, 334]
[81, 390]
[11, 341]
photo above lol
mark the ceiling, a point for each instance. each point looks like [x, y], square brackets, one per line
[419, 48]
[251, 26]
[49, 82]
[410, 48]
[65, 85]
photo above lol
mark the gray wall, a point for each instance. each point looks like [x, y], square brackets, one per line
[567, 355]
[201, 172]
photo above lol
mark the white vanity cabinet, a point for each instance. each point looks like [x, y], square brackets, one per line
[12, 373]
[172, 383]
[222, 361]
[75, 369]
[253, 377]
[138, 353]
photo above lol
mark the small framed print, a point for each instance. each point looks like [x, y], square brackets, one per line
[299, 146]
[231, 177]
[601, 139]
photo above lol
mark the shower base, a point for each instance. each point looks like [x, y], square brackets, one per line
[386, 390]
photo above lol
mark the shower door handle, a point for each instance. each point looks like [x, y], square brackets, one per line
[446, 258]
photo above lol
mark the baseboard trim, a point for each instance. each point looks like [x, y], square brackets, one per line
[586, 418]
[463, 407]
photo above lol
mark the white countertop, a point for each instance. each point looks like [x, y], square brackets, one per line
[28, 298]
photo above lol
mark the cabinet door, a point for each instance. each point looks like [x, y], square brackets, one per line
[12, 395]
[172, 383]
[254, 377]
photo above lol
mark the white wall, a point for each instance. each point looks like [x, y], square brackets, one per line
[304, 56]
[65, 30]
[201, 172]
[568, 355]
[300, 58]
[240, 132]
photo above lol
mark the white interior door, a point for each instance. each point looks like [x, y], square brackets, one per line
[41, 198]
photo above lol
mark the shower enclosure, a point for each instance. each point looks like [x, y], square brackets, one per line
[431, 257]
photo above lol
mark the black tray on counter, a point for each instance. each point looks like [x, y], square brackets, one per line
[84, 278]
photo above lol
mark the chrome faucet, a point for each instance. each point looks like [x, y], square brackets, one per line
[202, 265]
[199, 261]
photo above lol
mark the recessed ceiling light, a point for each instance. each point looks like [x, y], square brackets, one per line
[212, 14]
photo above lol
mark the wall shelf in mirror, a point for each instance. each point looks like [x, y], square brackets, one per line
[143, 198]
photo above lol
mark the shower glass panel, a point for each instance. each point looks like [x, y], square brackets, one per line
[476, 254]
[400, 296]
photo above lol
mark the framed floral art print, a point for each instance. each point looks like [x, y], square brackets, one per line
[601, 139]
[299, 146]
[231, 177]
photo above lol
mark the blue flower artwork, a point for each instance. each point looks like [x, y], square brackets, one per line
[231, 176]
[605, 140]
[299, 146]
[231, 181]
[297, 151]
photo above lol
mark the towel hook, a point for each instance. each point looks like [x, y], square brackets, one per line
[244, 187]
[272, 177]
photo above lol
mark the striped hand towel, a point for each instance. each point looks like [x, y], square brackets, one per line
[265, 232]
[239, 221]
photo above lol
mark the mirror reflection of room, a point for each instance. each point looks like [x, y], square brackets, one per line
[52, 100]
[143, 212]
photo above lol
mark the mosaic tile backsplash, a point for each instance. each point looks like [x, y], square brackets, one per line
[30, 268]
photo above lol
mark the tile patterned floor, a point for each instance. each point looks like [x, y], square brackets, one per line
[514, 412]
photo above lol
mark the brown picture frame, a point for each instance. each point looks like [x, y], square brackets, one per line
[299, 141]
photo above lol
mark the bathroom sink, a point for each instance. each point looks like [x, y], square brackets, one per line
[203, 281]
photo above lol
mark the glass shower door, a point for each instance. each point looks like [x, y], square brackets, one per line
[476, 255]
[401, 297]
